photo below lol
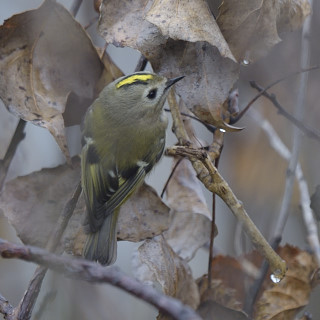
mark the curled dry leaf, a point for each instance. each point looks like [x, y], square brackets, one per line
[286, 299]
[276, 301]
[46, 56]
[177, 46]
[34, 202]
[156, 262]
[251, 28]
[218, 301]
[188, 20]
[292, 14]
[142, 217]
[191, 226]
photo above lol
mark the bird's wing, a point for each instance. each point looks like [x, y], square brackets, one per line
[104, 187]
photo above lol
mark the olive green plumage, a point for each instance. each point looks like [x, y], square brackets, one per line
[123, 137]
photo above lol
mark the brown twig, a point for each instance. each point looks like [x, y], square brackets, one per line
[16, 139]
[6, 309]
[28, 301]
[92, 272]
[142, 63]
[254, 99]
[215, 152]
[312, 133]
[170, 176]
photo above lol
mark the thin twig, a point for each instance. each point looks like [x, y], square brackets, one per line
[142, 63]
[93, 272]
[16, 139]
[218, 144]
[75, 7]
[6, 309]
[310, 132]
[254, 99]
[25, 308]
[170, 176]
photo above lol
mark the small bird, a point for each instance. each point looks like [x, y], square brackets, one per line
[123, 136]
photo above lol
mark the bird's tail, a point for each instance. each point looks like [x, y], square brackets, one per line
[101, 246]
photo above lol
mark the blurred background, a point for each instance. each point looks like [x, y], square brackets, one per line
[248, 163]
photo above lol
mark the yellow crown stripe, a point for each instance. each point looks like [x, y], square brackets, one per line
[134, 78]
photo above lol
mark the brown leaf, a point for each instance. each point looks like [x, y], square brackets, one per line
[34, 202]
[209, 76]
[285, 299]
[250, 27]
[45, 57]
[191, 225]
[211, 310]
[292, 14]
[142, 217]
[189, 20]
[156, 262]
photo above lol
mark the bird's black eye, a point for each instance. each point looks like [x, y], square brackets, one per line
[152, 93]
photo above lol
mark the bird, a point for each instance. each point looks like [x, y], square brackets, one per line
[123, 137]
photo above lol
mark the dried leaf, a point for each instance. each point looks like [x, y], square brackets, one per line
[209, 310]
[191, 226]
[209, 76]
[45, 57]
[285, 299]
[156, 262]
[34, 202]
[292, 14]
[251, 28]
[190, 20]
[142, 217]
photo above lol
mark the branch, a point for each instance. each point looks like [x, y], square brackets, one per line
[28, 301]
[214, 182]
[262, 92]
[92, 272]
[16, 139]
[312, 133]
[278, 145]
[299, 111]
[6, 309]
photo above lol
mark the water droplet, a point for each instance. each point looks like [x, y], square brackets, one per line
[245, 62]
[275, 278]
[222, 130]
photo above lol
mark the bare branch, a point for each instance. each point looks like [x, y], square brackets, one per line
[278, 145]
[262, 92]
[299, 111]
[6, 309]
[92, 272]
[310, 132]
[16, 139]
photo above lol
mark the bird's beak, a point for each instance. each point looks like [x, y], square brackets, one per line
[171, 82]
